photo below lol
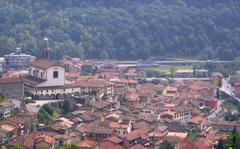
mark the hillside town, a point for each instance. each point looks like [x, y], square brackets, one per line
[47, 104]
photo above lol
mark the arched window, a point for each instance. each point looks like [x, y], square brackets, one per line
[55, 74]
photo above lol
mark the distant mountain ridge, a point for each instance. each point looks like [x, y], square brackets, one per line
[123, 29]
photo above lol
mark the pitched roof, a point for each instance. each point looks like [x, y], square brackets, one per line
[114, 139]
[115, 125]
[100, 104]
[138, 146]
[86, 144]
[11, 80]
[44, 138]
[7, 128]
[44, 64]
[135, 134]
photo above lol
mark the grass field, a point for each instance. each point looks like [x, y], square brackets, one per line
[229, 106]
[167, 68]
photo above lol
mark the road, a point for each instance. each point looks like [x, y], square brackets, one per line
[178, 79]
[177, 62]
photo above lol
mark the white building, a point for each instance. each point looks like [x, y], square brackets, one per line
[18, 60]
[6, 110]
[46, 79]
[2, 62]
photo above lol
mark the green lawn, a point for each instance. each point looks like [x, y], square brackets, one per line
[229, 106]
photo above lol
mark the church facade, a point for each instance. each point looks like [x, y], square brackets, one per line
[46, 79]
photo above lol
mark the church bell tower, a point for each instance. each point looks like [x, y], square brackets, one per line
[45, 48]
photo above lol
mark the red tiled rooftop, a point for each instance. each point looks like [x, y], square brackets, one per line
[86, 144]
[44, 64]
[11, 80]
[115, 125]
[100, 104]
[44, 138]
[138, 146]
[114, 139]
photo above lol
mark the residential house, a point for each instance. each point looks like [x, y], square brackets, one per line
[12, 87]
[87, 144]
[179, 113]
[114, 142]
[170, 91]
[95, 133]
[44, 142]
[135, 137]
[96, 86]
[6, 109]
[119, 128]
[101, 105]
[30, 121]
[8, 133]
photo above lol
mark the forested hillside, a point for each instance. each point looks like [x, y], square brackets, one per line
[123, 29]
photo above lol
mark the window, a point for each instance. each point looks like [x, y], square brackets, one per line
[55, 74]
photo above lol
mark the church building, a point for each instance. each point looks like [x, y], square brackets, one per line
[46, 79]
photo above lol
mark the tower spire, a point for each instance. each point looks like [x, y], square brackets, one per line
[45, 48]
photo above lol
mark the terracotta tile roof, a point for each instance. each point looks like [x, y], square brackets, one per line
[86, 144]
[94, 129]
[7, 128]
[114, 139]
[138, 146]
[197, 144]
[44, 64]
[197, 119]
[11, 80]
[235, 78]
[86, 117]
[116, 125]
[28, 141]
[44, 138]
[133, 97]
[129, 81]
[135, 135]
[100, 104]
[97, 83]
[185, 108]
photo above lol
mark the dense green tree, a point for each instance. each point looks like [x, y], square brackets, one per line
[233, 141]
[43, 116]
[166, 145]
[66, 106]
[123, 29]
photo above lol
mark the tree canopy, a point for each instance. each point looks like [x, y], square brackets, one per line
[123, 29]
[166, 145]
